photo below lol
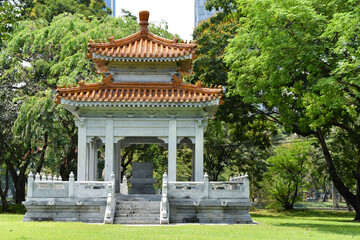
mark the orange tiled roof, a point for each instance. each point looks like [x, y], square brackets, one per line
[108, 91]
[142, 44]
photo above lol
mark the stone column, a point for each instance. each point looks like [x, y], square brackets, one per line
[193, 161]
[172, 151]
[199, 151]
[82, 149]
[87, 162]
[93, 160]
[117, 159]
[109, 148]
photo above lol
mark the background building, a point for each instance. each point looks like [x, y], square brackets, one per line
[201, 13]
[111, 4]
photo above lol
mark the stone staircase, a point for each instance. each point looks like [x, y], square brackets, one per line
[137, 209]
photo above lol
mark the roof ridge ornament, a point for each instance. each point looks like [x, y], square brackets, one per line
[144, 22]
[177, 80]
[106, 80]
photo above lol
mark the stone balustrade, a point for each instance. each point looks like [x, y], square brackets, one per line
[237, 187]
[124, 186]
[90, 201]
[164, 204]
[53, 187]
[110, 201]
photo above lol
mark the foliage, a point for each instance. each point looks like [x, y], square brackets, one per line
[39, 56]
[9, 15]
[46, 130]
[48, 9]
[286, 171]
[223, 152]
[292, 58]
[296, 225]
[239, 134]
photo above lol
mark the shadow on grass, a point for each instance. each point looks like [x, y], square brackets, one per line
[304, 213]
[309, 215]
[334, 222]
[343, 229]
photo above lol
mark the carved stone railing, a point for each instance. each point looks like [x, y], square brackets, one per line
[236, 188]
[242, 179]
[164, 204]
[124, 187]
[110, 201]
[53, 187]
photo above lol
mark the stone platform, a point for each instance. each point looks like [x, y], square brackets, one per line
[70, 210]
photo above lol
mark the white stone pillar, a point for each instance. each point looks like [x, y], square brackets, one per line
[199, 151]
[82, 151]
[92, 160]
[109, 148]
[30, 185]
[87, 162]
[172, 151]
[193, 161]
[117, 159]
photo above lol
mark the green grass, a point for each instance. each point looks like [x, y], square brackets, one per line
[298, 224]
[325, 205]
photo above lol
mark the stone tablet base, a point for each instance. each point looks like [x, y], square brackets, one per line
[69, 210]
[209, 211]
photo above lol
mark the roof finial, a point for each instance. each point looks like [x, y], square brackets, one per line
[144, 18]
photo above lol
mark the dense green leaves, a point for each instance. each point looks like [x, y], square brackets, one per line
[48, 9]
[286, 172]
[9, 15]
[300, 60]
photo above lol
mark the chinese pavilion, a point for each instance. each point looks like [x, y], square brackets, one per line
[141, 99]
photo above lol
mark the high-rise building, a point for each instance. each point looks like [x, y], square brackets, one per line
[111, 4]
[201, 13]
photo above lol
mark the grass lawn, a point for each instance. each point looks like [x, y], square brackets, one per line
[298, 224]
[324, 205]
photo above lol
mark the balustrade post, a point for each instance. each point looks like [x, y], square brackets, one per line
[246, 186]
[164, 207]
[206, 185]
[37, 177]
[124, 186]
[112, 179]
[30, 185]
[71, 185]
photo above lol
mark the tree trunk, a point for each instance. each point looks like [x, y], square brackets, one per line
[19, 179]
[339, 184]
[69, 156]
[3, 193]
[42, 153]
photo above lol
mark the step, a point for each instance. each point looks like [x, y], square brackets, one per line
[138, 202]
[139, 206]
[132, 210]
[139, 215]
[137, 220]
[138, 197]
[137, 209]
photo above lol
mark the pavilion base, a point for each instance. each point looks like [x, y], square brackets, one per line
[69, 210]
[220, 211]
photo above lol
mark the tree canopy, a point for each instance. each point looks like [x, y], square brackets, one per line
[39, 56]
[299, 60]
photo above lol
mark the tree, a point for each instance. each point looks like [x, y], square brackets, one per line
[3, 193]
[9, 15]
[299, 61]
[39, 56]
[238, 130]
[48, 9]
[286, 172]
